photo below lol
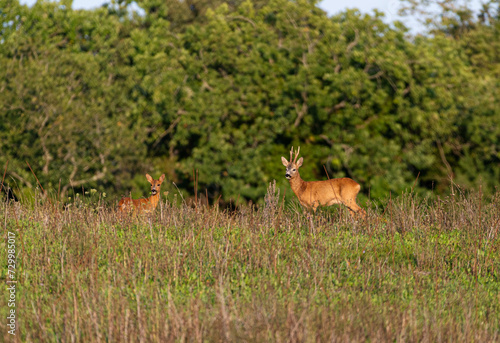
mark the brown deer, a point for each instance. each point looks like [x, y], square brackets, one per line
[143, 205]
[312, 194]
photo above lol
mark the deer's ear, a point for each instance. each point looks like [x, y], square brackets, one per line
[150, 179]
[284, 161]
[299, 162]
[162, 177]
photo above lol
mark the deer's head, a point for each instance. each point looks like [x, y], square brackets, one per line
[155, 184]
[292, 167]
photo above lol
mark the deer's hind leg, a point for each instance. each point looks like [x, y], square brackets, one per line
[355, 209]
[349, 200]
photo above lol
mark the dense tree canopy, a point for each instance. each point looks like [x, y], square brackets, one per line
[97, 98]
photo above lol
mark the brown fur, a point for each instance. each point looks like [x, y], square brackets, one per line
[312, 194]
[143, 205]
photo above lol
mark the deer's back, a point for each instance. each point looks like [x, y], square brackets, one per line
[328, 191]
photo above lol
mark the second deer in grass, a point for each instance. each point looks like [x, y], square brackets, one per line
[143, 205]
[312, 194]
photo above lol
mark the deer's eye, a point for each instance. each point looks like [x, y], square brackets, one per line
[294, 169]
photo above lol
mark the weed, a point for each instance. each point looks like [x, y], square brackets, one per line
[418, 269]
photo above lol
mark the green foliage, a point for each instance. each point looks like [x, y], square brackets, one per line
[65, 99]
[97, 98]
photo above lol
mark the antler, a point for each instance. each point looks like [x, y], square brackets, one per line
[296, 155]
[291, 154]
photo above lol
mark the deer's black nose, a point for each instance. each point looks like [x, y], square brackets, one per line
[287, 175]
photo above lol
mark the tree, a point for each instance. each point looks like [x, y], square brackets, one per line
[64, 98]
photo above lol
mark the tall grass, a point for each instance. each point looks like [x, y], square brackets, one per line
[416, 270]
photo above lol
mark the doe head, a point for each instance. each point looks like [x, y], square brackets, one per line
[155, 184]
[292, 167]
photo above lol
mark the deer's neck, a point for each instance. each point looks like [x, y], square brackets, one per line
[298, 185]
[153, 200]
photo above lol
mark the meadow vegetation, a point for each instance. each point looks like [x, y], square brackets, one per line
[417, 270]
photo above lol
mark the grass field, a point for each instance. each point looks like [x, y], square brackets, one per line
[417, 270]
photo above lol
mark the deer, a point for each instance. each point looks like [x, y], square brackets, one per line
[312, 194]
[143, 205]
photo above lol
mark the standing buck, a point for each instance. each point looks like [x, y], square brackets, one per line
[312, 194]
[143, 205]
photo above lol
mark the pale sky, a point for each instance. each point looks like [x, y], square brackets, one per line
[389, 7]
[330, 6]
